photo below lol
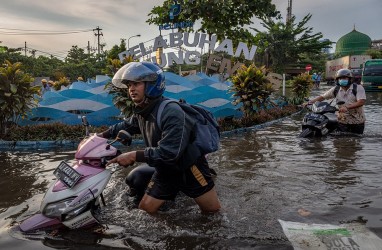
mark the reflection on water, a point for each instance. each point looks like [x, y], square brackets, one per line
[262, 176]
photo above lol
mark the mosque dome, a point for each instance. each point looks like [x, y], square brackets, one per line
[353, 43]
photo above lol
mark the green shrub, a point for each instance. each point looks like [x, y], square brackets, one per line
[251, 88]
[301, 87]
[17, 95]
[49, 132]
[258, 118]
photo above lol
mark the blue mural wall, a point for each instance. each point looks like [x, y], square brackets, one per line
[91, 99]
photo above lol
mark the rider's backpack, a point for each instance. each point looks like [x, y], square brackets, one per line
[207, 132]
[337, 88]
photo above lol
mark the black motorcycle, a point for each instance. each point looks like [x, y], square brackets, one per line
[321, 121]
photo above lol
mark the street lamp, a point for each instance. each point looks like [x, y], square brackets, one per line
[128, 41]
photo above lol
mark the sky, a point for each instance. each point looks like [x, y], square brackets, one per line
[54, 26]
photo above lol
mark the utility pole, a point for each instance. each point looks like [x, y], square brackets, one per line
[289, 11]
[98, 34]
[25, 49]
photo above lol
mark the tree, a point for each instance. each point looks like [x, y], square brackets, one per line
[286, 43]
[112, 66]
[375, 54]
[86, 70]
[76, 55]
[115, 50]
[16, 93]
[222, 18]
[318, 61]
[41, 66]
[78, 63]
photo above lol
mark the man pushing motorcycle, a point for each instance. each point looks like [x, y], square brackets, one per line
[173, 163]
[351, 115]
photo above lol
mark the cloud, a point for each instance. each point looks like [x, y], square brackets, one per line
[125, 18]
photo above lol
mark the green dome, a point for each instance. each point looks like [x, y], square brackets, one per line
[353, 43]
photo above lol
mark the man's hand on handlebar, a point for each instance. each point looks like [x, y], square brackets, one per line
[306, 104]
[125, 159]
[343, 109]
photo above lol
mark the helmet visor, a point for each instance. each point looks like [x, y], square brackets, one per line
[135, 72]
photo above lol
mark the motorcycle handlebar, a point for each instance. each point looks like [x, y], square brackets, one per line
[123, 137]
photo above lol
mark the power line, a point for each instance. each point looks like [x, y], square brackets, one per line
[44, 52]
[39, 30]
[10, 31]
[7, 31]
[41, 34]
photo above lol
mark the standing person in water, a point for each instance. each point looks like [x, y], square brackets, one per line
[351, 115]
[176, 164]
[44, 86]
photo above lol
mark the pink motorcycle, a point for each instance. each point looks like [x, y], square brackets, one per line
[72, 199]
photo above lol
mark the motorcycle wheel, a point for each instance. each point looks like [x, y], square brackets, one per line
[308, 132]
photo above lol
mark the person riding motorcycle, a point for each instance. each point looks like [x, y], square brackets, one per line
[174, 164]
[351, 115]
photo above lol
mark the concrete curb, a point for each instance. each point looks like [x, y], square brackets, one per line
[28, 145]
[12, 145]
[257, 127]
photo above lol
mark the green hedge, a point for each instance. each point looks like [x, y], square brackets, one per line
[59, 131]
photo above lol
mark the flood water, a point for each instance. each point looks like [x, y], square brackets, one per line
[263, 176]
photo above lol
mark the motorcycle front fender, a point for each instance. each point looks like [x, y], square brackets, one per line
[39, 221]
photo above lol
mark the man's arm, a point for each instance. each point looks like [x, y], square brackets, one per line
[317, 99]
[327, 95]
[130, 125]
[354, 105]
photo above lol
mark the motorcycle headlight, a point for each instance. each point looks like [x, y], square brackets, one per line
[55, 210]
[71, 214]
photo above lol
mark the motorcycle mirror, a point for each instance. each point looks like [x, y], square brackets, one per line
[86, 124]
[340, 103]
[124, 137]
[84, 121]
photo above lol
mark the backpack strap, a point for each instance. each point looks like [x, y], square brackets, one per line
[354, 90]
[162, 105]
[336, 89]
[355, 86]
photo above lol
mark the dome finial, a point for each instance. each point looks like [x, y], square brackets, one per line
[354, 27]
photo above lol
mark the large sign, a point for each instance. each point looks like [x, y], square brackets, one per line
[192, 57]
[197, 40]
[175, 10]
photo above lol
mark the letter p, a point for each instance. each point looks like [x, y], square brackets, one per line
[174, 10]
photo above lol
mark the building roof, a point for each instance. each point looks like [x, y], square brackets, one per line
[353, 43]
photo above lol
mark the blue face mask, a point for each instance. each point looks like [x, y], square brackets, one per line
[343, 82]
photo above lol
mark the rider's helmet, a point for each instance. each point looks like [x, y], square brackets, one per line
[147, 72]
[344, 73]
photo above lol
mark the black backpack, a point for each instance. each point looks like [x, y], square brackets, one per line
[206, 127]
[337, 88]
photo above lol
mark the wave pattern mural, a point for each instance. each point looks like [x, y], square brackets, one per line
[91, 99]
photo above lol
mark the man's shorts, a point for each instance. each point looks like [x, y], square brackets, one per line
[193, 182]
